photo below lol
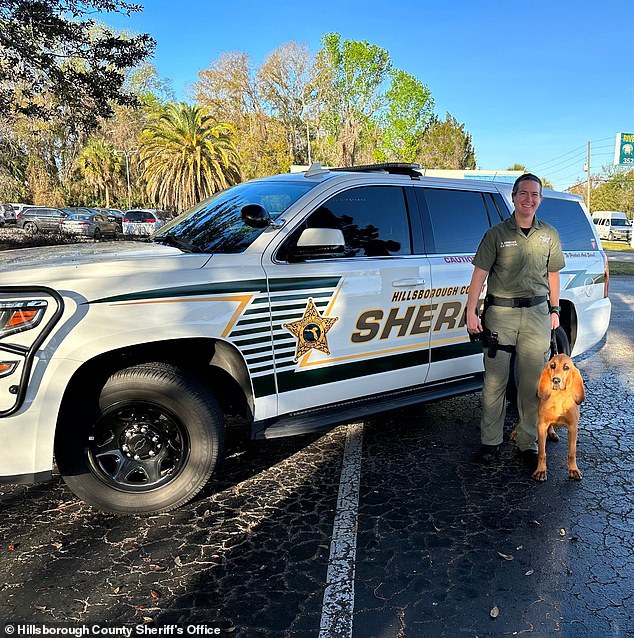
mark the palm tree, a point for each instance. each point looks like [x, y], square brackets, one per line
[100, 166]
[187, 156]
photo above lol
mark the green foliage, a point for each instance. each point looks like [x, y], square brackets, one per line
[446, 145]
[616, 192]
[349, 80]
[100, 166]
[186, 156]
[51, 61]
[409, 112]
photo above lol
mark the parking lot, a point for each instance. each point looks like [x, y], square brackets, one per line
[413, 537]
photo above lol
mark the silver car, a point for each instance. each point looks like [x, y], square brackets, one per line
[95, 225]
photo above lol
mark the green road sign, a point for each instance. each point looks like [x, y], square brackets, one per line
[624, 150]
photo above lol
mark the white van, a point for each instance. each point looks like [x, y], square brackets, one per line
[296, 301]
[612, 225]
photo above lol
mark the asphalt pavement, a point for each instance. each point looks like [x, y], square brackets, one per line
[441, 546]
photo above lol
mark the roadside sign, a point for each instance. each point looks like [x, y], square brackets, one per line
[624, 149]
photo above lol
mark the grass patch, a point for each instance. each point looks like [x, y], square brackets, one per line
[621, 246]
[622, 268]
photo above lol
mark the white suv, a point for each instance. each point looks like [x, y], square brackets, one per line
[298, 301]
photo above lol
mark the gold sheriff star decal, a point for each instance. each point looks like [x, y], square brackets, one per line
[311, 330]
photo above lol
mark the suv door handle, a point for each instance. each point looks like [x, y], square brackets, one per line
[405, 283]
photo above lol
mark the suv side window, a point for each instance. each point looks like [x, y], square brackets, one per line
[569, 219]
[373, 220]
[456, 219]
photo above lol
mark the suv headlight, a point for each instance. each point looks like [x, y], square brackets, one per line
[18, 316]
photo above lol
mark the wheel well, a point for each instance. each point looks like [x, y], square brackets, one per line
[568, 320]
[217, 364]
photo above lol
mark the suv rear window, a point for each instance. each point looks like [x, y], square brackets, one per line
[457, 219]
[569, 219]
[139, 216]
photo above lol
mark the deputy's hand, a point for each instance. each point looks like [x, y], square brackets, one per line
[474, 325]
[554, 321]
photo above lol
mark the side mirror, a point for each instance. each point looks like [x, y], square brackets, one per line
[255, 216]
[317, 243]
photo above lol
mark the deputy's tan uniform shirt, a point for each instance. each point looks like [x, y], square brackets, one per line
[518, 264]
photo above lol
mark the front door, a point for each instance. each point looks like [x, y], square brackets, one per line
[354, 325]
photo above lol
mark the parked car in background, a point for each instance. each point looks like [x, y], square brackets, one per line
[115, 214]
[612, 225]
[7, 212]
[91, 224]
[141, 221]
[38, 219]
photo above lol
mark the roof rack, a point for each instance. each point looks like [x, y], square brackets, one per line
[393, 168]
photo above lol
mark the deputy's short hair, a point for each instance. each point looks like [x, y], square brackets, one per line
[527, 177]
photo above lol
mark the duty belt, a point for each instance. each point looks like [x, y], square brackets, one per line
[515, 302]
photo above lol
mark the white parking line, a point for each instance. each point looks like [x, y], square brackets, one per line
[338, 604]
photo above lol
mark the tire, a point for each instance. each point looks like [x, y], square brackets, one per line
[152, 445]
[30, 228]
[97, 235]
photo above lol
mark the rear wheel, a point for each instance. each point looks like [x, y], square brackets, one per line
[151, 446]
[97, 234]
[30, 228]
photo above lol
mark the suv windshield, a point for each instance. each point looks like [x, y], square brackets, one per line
[216, 226]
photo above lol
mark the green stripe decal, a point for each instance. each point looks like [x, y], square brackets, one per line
[304, 283]
[254, 285]
[291, 380]
[264, 386]
[288, 381]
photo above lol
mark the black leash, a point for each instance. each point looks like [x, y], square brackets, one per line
[553, 344]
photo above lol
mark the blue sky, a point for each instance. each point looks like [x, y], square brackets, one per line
[533, 82]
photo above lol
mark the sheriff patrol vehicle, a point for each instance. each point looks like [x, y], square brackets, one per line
[297, 301]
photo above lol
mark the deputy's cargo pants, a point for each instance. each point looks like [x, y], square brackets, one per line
[528, 329]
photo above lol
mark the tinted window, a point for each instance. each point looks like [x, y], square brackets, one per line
[139, 216]
[216, 224]
[569, 219]
[458, 219]
[373, 220]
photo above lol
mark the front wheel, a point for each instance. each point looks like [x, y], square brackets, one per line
[151, 446]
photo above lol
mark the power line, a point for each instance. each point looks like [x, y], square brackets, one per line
[575, 150]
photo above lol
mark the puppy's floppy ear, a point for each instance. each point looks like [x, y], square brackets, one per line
[578, 391]
[545, 386]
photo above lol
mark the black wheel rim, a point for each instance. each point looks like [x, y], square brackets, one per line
[137, 447]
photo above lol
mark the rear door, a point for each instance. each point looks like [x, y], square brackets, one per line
[454, 221]
[350, 326]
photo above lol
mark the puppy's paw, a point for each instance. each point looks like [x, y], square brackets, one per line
[540, 474]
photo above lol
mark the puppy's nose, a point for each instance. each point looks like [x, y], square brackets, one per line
[556, 380]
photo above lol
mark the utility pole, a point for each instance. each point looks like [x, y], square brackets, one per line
[127, 168]
[587, 167]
